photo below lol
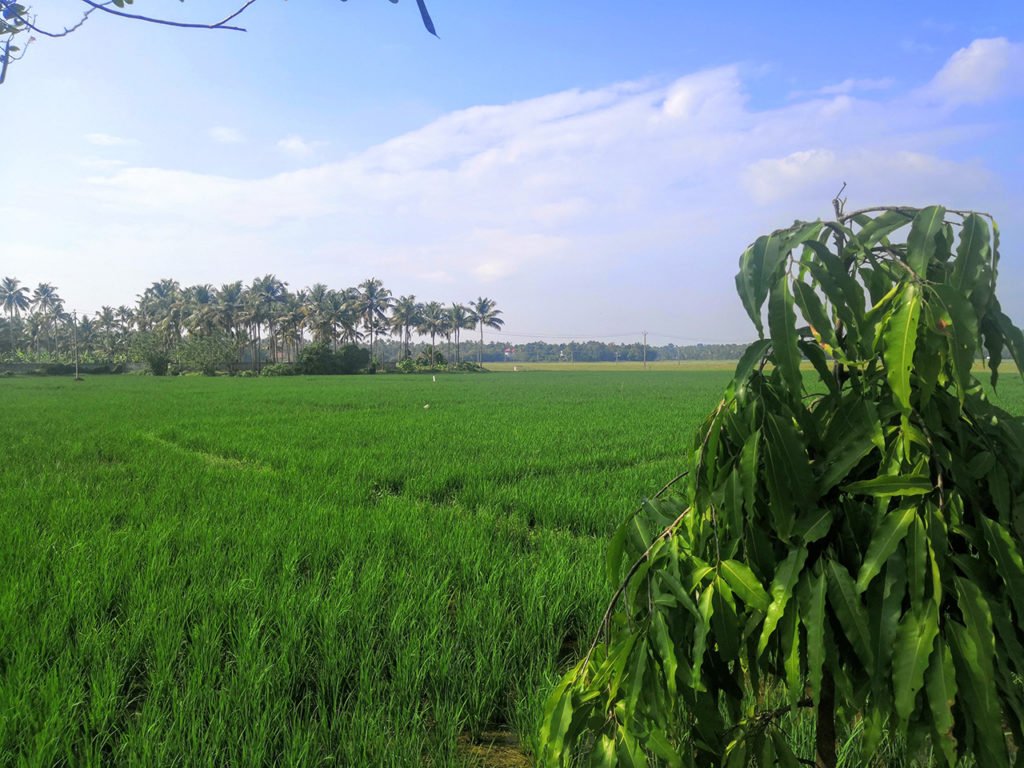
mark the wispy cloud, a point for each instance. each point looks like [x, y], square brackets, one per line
[296, 146]
[108, 140]
[850, 85]
[225, 135]
[624, 204]
[983, 71]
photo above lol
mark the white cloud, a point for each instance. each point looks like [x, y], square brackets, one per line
[853, 84]
[101, 164]
[982, 72]
[296, 146]
[819, 172]
[108, 140]
[225, 135]
[608, 209]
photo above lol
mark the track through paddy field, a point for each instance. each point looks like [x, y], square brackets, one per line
[304, 571]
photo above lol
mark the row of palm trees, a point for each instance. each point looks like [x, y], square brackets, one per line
[264, 316]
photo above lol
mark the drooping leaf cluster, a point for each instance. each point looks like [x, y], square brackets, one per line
[849, 535]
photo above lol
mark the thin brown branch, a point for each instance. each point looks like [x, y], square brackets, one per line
[222, 24]
[67, 30]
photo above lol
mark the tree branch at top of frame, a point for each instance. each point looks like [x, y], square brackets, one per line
[16, 18]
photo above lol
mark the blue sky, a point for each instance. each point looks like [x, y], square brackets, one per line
[596, 167]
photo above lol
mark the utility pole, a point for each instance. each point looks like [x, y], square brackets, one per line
[645, 349]
[74, 327]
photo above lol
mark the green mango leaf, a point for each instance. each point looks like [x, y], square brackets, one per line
[812, 615]
[940, 685]
[845, 601]
[782, 326]
[788, 472]
[666, 650]
[886, 538]
[1005, 550]
[885, 611]
[914, 641]
[798, 234]
[557, 718]
[785, 580]
[874, 230]
[613, 560]
[816, 356]
[813, 526]
[658, 743]
[976, 684]
[744, 584]
[749, 475]
[921, 242]
[725, 626]
[917, 557]
[758, 265]
[892, 485]
[1014, 340]
[783, 752]
[700, 636]
[994, 342]
[789, 634]
[752, 357]
[972, 254]
[628, 750]
[962, 333]
[900, 339]
[855, 430]
[814, 313]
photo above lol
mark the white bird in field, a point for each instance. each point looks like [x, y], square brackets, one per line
[434, 378]
[426, 406]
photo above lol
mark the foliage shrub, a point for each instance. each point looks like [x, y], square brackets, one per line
[279, 369]
[466, 367]
[153, 351]
[319, 359]
[851, 537]
[208, 354]
[423, 359]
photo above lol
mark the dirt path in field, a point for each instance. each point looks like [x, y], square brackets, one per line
[494, 749]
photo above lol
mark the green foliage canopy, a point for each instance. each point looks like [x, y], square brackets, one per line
[851, 537]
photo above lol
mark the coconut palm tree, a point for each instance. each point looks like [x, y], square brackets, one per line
[125, 323]
[267, 293]
[200, 310]
[373, 303]
[460, 319]
[432, 322]
[445, 329]
[14, 299]
[483, 312]
[405, 314]
[290, 320]
[47, 302]
[230, 303]
[35, 331]
[106, 322]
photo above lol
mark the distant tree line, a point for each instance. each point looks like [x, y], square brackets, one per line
[207, 328]
[603, 352]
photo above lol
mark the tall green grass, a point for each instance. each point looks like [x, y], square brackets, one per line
[306, 571]
[313, 571]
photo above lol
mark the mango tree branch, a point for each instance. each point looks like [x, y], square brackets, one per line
[222, 24]
[67, 30]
